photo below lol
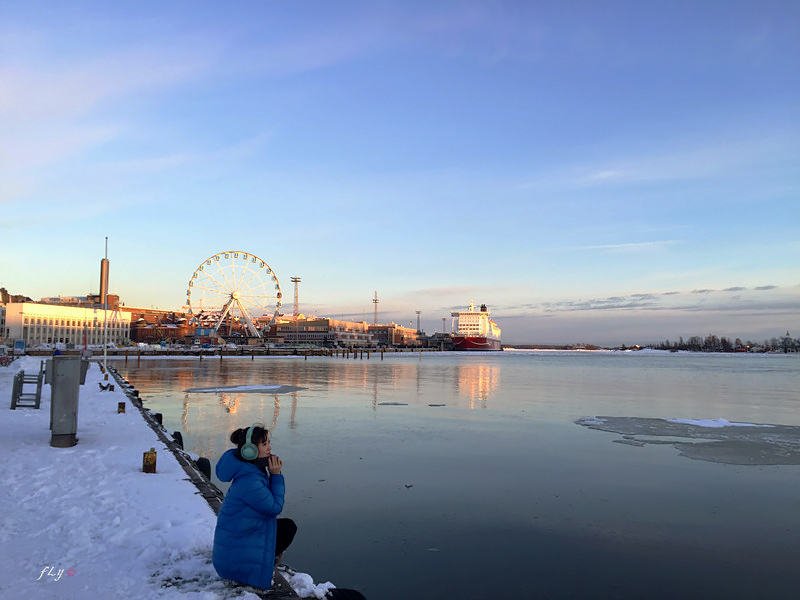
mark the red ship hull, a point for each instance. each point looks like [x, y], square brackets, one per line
[461, 342]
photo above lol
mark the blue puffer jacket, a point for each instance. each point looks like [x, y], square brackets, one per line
[244, 540]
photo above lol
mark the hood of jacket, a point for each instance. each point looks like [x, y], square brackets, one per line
[230, 466]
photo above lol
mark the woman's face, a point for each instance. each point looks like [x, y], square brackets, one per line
[264, 449]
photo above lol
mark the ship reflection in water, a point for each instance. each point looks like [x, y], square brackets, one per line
[477, 383]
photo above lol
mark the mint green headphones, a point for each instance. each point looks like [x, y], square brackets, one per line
[249, 451]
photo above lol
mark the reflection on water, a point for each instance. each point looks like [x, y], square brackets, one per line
[477, 382]
[478, 457]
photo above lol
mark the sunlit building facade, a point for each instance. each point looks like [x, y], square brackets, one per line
[37, 324]
[321, 331]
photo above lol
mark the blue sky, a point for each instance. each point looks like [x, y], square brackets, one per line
[603, 172]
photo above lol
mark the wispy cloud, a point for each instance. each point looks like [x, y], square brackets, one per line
[689, 159]
[438, 292]
[710, 300]
[47, 88]
[600, 304]
[624, 247]
[694, 161]
[56, 108]
[39, 146]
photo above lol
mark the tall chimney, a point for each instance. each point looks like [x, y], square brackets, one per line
[103, 281]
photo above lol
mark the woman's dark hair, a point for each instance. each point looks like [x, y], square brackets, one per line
[239, 436]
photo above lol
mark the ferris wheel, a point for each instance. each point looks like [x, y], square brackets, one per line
[233, 287]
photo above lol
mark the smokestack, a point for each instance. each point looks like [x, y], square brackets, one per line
[104, 281]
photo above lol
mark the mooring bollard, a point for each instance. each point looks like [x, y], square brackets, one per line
[205, 466]
[149, 461]
[120, 407]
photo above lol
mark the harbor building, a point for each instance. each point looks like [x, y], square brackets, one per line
[322, 331]
[395, 335]
[152, 325]
[37, 323]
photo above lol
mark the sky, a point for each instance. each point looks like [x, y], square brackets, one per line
[596, 172]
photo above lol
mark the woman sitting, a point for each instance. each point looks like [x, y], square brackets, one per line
[249, 536]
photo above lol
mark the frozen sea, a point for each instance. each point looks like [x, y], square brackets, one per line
[517, 474]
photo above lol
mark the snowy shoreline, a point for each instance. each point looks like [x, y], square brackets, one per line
[85, 522]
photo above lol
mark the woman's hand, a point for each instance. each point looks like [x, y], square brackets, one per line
[274, 465]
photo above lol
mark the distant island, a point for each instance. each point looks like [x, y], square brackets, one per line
[696, 343]
[713, 343]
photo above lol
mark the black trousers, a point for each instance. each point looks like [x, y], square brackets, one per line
[284, 535]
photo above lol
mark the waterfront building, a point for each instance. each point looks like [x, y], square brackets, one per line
[37, 323]
[322, 331]
[91, 300]
[153, 325]
[439, 340]
[395, 335]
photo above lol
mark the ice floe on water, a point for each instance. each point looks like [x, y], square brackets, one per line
[247, 389]
[715, 423]
[712, 440]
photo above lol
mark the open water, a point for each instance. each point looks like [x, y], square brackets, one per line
[472, 476]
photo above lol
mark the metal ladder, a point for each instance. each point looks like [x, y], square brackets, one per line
[22, 399]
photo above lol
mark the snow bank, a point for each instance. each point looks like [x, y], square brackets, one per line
[303, 584]
[85, 522]
[89, 512]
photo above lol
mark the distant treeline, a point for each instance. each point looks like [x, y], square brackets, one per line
[713, 343]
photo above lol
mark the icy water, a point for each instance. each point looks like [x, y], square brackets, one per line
[467, 476]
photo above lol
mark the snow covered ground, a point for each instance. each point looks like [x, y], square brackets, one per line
[86, 523]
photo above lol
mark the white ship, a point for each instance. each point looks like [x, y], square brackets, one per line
[474, 330]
